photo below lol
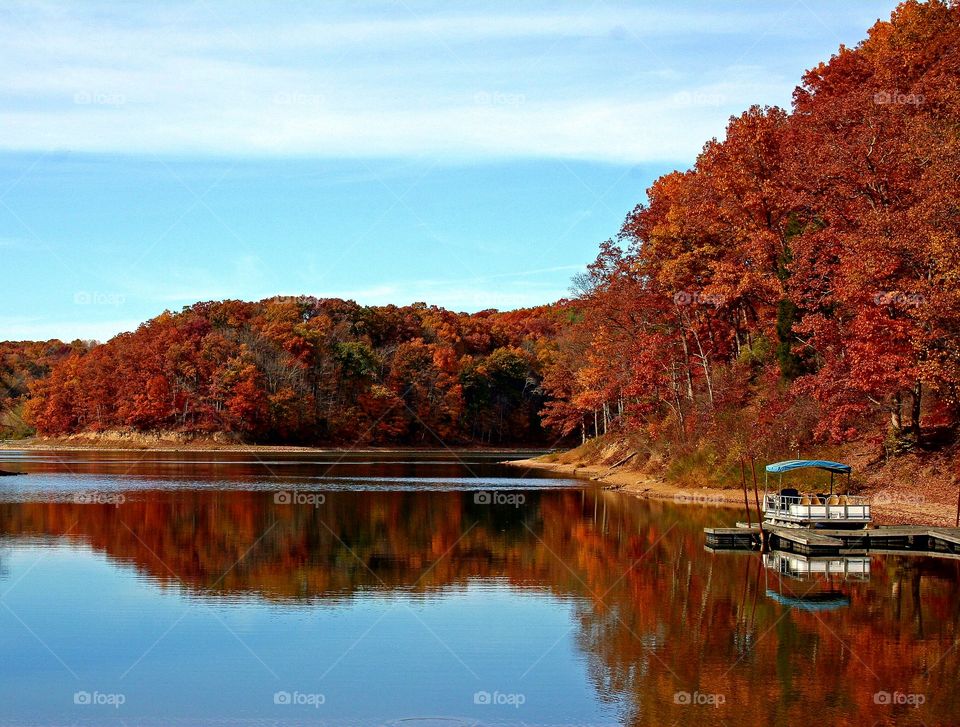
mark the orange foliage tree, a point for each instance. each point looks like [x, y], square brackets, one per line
[807, 262]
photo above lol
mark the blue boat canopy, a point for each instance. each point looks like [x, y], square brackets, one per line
[799, 464]
[828, 603]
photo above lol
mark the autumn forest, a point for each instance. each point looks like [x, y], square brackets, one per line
[801, 282]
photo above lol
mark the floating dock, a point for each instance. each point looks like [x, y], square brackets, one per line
[817, 542]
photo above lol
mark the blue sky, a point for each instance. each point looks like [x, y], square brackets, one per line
[470, 155]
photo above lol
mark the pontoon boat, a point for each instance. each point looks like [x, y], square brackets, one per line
[792, 508]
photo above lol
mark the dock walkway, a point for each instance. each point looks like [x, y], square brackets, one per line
[809, 541]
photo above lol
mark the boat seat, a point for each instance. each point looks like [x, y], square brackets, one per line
[805, 501]
[844, 500]
[833, 500]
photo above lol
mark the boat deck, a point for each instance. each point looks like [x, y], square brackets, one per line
[808, 541]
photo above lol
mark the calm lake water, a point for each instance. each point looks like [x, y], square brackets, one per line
[433, 589]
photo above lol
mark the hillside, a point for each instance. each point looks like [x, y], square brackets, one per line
[309, 371]
[21, 364]
[799, 287]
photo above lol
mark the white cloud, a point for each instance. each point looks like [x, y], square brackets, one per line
[612, 84]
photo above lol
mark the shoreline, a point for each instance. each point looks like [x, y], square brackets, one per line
[638, 484]
[907, 506]
[911, 509]
[202, 446]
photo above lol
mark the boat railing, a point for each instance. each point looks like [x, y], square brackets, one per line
[834, 507]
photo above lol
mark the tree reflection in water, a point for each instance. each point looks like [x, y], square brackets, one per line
[660, 620]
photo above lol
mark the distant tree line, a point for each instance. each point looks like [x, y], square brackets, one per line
[306, 370]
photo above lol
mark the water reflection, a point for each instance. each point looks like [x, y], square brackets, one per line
[813, 583]
[666, 632]
[812, 568]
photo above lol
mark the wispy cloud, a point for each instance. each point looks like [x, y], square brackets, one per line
[335, 148]
[616, 84]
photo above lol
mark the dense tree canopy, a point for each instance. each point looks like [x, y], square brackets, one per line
[307, 370]
[804, 271]
[22, 363]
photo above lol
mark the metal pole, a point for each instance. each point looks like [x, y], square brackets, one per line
[746, 501]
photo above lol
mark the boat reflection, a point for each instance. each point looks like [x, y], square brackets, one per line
[804, 567]
[812, 583]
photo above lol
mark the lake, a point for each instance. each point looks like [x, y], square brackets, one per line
[433, 589]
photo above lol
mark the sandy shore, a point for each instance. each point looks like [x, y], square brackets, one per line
[907, 506]
[638, 484]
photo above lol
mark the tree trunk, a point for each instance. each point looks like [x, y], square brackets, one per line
[705, 363]
[917, 396]
[896, 414]
[686, 366]
[678, 403]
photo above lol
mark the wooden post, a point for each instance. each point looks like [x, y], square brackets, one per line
[746, 501]
[756, 492]
[958, 503]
